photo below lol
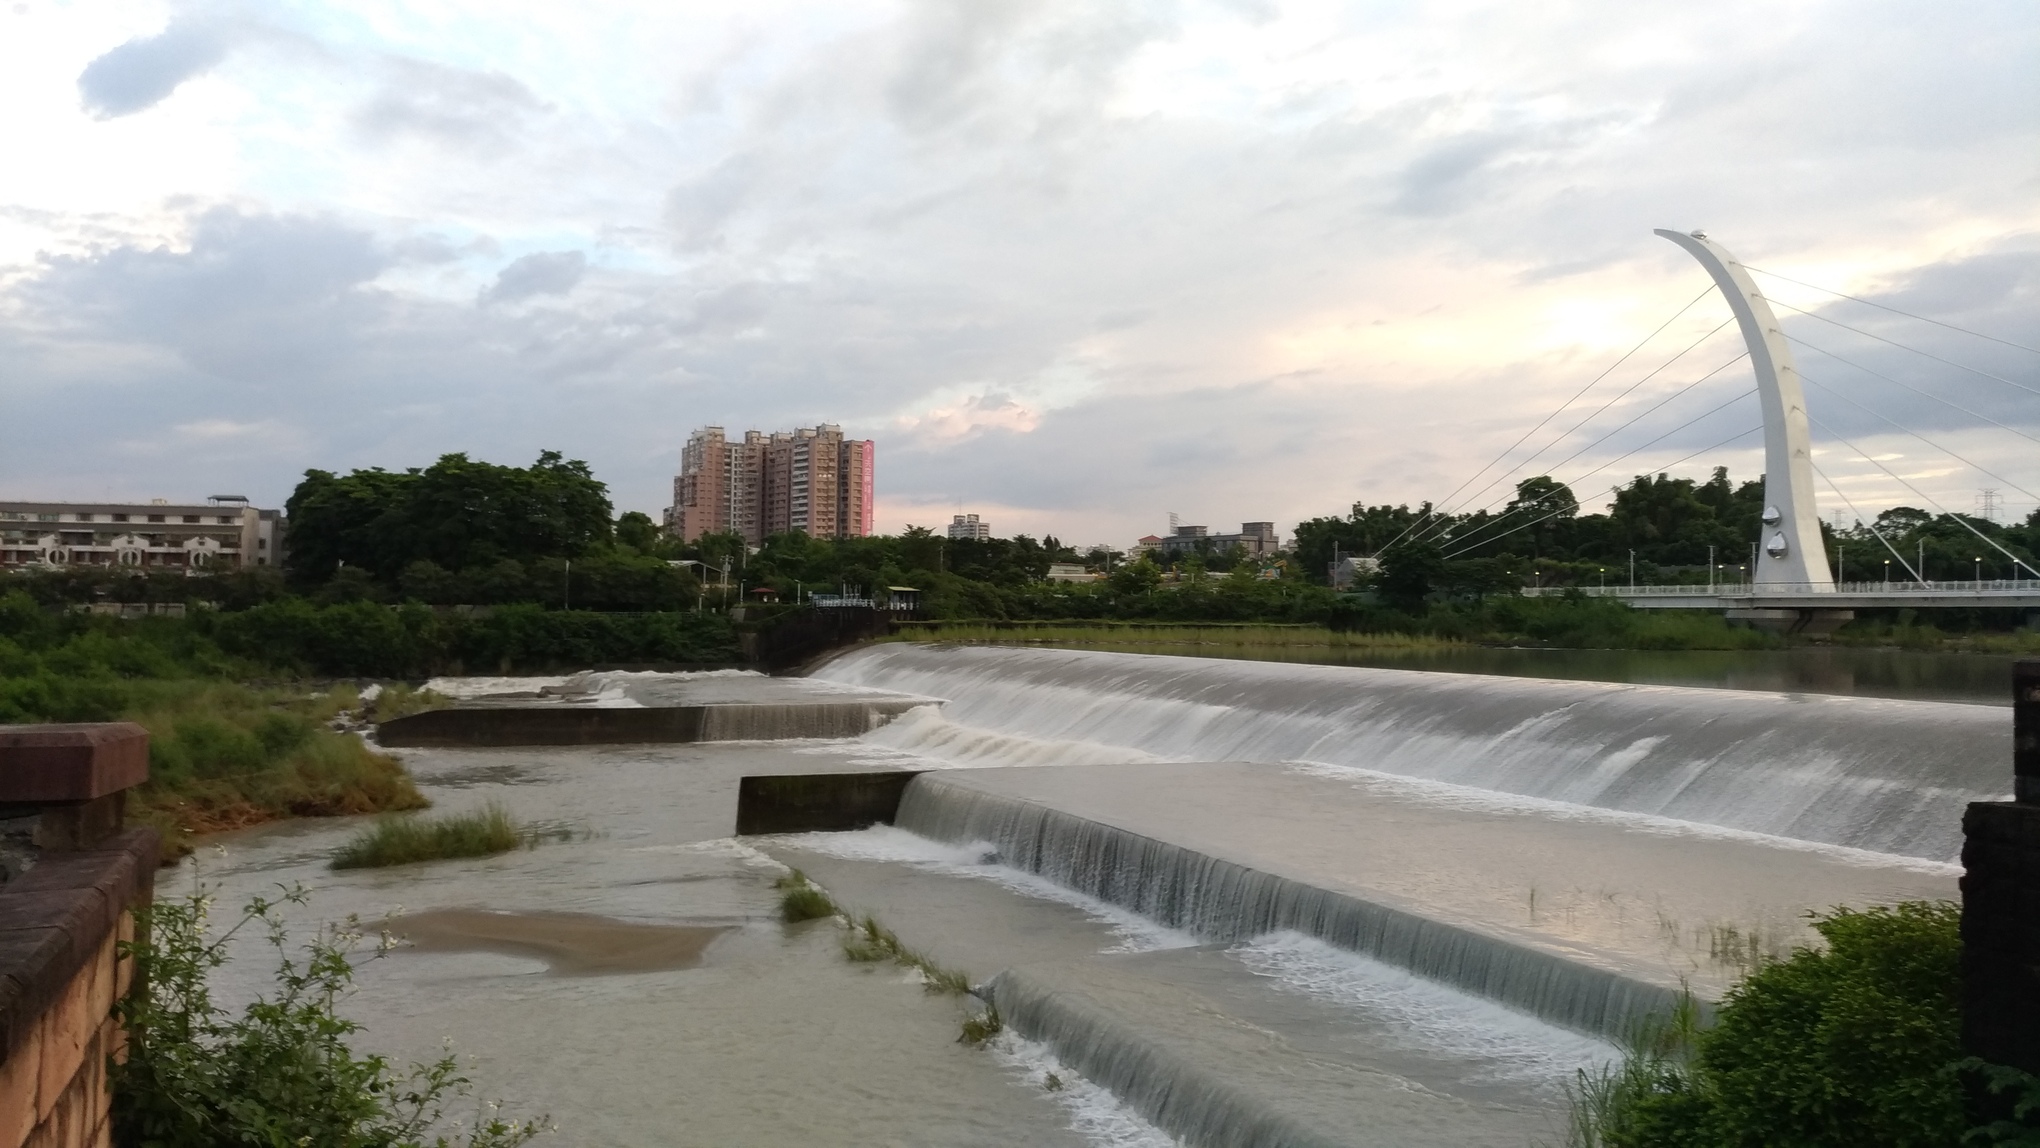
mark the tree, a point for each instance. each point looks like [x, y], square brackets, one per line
[456, 513]
[1409, 572]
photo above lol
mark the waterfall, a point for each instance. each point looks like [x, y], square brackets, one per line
[1219, 900]
[1876, 774]
[1188, 1100]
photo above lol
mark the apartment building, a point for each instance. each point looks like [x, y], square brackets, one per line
[969, 526]
[1259, 539]
[813, 480]
[224, 533]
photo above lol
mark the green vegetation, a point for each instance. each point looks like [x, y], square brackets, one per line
[1857, 1043]
[984, 1026]
[401, 840]
[871, 941]
[802, 900]
[281, 1072]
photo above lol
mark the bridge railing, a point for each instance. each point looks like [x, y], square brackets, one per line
[1744, 589]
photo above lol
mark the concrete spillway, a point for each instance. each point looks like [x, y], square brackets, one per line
[1589, 922]
[1887, 776]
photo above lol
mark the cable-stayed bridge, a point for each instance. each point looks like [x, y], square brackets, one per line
[1788, 583]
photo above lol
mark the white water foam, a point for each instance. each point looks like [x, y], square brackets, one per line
[924, 735]
[481, 687]
[1419, 1015]
[979, 860]
[1475, 800]
[1096, 1115]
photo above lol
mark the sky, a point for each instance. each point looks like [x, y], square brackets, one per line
[1072, 266]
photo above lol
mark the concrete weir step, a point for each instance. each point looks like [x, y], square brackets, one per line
[1215, 1056]
[556, 723]
[1206, 1042]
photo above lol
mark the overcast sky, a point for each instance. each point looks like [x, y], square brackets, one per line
[1072, 266]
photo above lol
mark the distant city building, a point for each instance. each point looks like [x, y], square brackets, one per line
[1259, 538]
[1148, 544]
[1070, 572]
[225, 533]
[969, 526]
[812, 480]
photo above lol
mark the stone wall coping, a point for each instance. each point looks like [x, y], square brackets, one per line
[71, 762]
[54, 917]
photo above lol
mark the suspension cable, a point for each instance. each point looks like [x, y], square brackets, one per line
[1923, 438]
[1611, 462]
[1667, 466]
[1626, 355]
[1907, 566]
[1914, 389]
[1893, 310]
[1661, 368]
[1903, 347]
[1945, 512]
[1618, 430]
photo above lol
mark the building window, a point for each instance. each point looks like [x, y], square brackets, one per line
[83, 517]
[120, 518]
[191, 518]
[262, 544]
[227, 520]
[155, 518]
[45, 518]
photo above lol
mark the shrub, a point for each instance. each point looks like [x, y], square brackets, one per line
[1840, 1047]
[281, 1072]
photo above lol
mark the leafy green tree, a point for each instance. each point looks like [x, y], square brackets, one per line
[1409, 572]
[456, 513]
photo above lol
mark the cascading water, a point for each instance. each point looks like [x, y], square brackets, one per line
[1887, 776]
[1220, 900]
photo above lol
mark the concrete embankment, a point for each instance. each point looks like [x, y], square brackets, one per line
[554, 723]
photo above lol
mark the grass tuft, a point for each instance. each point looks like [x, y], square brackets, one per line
[801, 899]
[403, 840]
[871, 941]
[983, 1027]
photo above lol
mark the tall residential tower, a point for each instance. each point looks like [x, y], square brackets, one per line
[812, 480]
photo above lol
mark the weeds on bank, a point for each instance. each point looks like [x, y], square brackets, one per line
[399, 840]
[282, 1071]
[226, 756]
[986, 1025]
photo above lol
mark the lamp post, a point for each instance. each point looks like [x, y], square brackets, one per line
[1632, 570]
[567, 585]
[1710, 569]
[1604, 578]
[1887, 573]
[1978, 568]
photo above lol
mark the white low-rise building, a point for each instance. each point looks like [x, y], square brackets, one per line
[224, 533]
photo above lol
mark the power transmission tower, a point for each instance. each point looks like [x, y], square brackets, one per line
[1988, 500]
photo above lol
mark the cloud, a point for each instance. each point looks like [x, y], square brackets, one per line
[144, 71]
[476, 111]
[540, 273]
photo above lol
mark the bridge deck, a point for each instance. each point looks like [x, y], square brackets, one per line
[2003, 595]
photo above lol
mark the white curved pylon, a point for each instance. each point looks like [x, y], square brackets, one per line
[1790, 555]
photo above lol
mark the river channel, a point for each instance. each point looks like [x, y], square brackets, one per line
[636, 984]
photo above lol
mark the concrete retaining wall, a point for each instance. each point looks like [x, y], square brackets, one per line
[560, 724]
[807, 803]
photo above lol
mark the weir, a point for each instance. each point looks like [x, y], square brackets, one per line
[1433, 883]
[1881, 775]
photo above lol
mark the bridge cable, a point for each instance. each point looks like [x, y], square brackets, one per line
[1554, 414]
[1604, 466]
[1625, 426]
[1865, 455]
[1914, 389]
[1590, 418]
[1871, 525]
[1904, 347]
[1893, 310]
[1923, 438]
[1667, 466]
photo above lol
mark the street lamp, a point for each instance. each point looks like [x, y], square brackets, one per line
[1887, 573]
[1632, 570]
[1604, 577]
[1979, 572]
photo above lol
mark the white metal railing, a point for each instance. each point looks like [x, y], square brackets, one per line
[1745, 589]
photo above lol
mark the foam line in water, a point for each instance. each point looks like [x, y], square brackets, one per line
[1096, 1115]
[1866, 773]
[1220, 900]
[1189, 1100]
[979, 860]
[1495, 1043]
